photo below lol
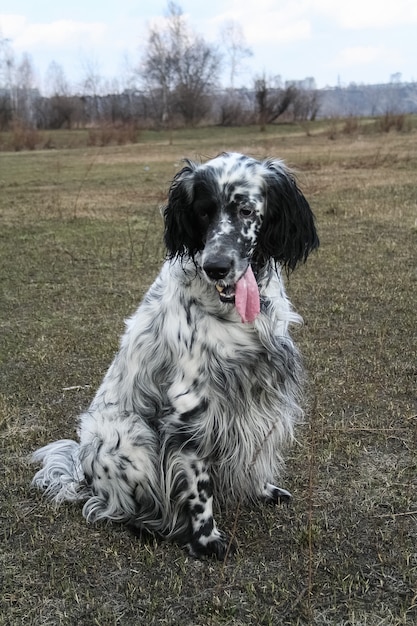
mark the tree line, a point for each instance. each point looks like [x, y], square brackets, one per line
[177, 83]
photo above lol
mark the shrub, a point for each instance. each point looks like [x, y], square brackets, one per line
[23, 137]
[107, 134]
[392, 120]
[351, 126]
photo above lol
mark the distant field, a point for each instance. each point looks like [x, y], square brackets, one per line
[80, 242]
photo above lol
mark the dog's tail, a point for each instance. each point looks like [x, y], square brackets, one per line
[61, 476]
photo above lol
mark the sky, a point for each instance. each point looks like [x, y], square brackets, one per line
[337, 42]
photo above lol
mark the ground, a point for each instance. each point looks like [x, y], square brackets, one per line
[81, 240]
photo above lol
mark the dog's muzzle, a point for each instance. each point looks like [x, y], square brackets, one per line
[244, 294]
[219, 270]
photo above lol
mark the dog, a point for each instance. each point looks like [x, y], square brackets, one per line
[205, 389]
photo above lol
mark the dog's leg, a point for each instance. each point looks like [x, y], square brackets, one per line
[188, 484]
[205, 538]
[188, 497]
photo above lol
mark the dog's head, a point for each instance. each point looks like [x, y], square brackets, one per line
[235, 211]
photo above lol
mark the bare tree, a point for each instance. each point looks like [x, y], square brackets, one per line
[25, 93]
[179, 69]
[91, 85]
[92, 78]
[56, 82]
[235, 107]
[234, 43]
[60, 109]
[17, 86]
[158, 68]
[7, 62]
[6, 82]
[272, 99]
[306, 104]
[196, 70]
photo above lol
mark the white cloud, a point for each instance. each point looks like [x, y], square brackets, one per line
[363, 55]
[276, 30]
[11, 25]
[263, 23]
[359, 14]
[26, 36]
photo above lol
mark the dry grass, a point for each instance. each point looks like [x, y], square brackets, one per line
[80, 243]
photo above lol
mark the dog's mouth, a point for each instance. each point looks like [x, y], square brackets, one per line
[226, 293]
[244, 295]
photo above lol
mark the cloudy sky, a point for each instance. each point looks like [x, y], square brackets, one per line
[335, 41]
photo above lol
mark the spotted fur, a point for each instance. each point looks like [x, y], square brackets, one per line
[197, 406]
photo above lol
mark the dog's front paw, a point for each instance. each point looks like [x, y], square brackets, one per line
[275, 495]
[217, 545]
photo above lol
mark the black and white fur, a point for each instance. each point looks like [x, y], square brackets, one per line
[197, 405]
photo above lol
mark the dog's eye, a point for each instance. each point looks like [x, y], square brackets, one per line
[203, 209]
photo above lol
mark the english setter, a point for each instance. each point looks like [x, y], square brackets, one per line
[205, 388]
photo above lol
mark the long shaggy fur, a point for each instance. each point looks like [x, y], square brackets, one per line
[198, 404]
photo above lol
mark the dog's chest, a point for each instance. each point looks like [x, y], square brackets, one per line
[208, 338]
[212, 361]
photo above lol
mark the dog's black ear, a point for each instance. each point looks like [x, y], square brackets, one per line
[180, 231]
[288, 233]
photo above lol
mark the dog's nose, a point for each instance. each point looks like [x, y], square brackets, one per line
[218, 268]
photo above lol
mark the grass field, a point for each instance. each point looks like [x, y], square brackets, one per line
[81, 240]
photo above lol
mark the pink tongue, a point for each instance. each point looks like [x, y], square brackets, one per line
[247, 296]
